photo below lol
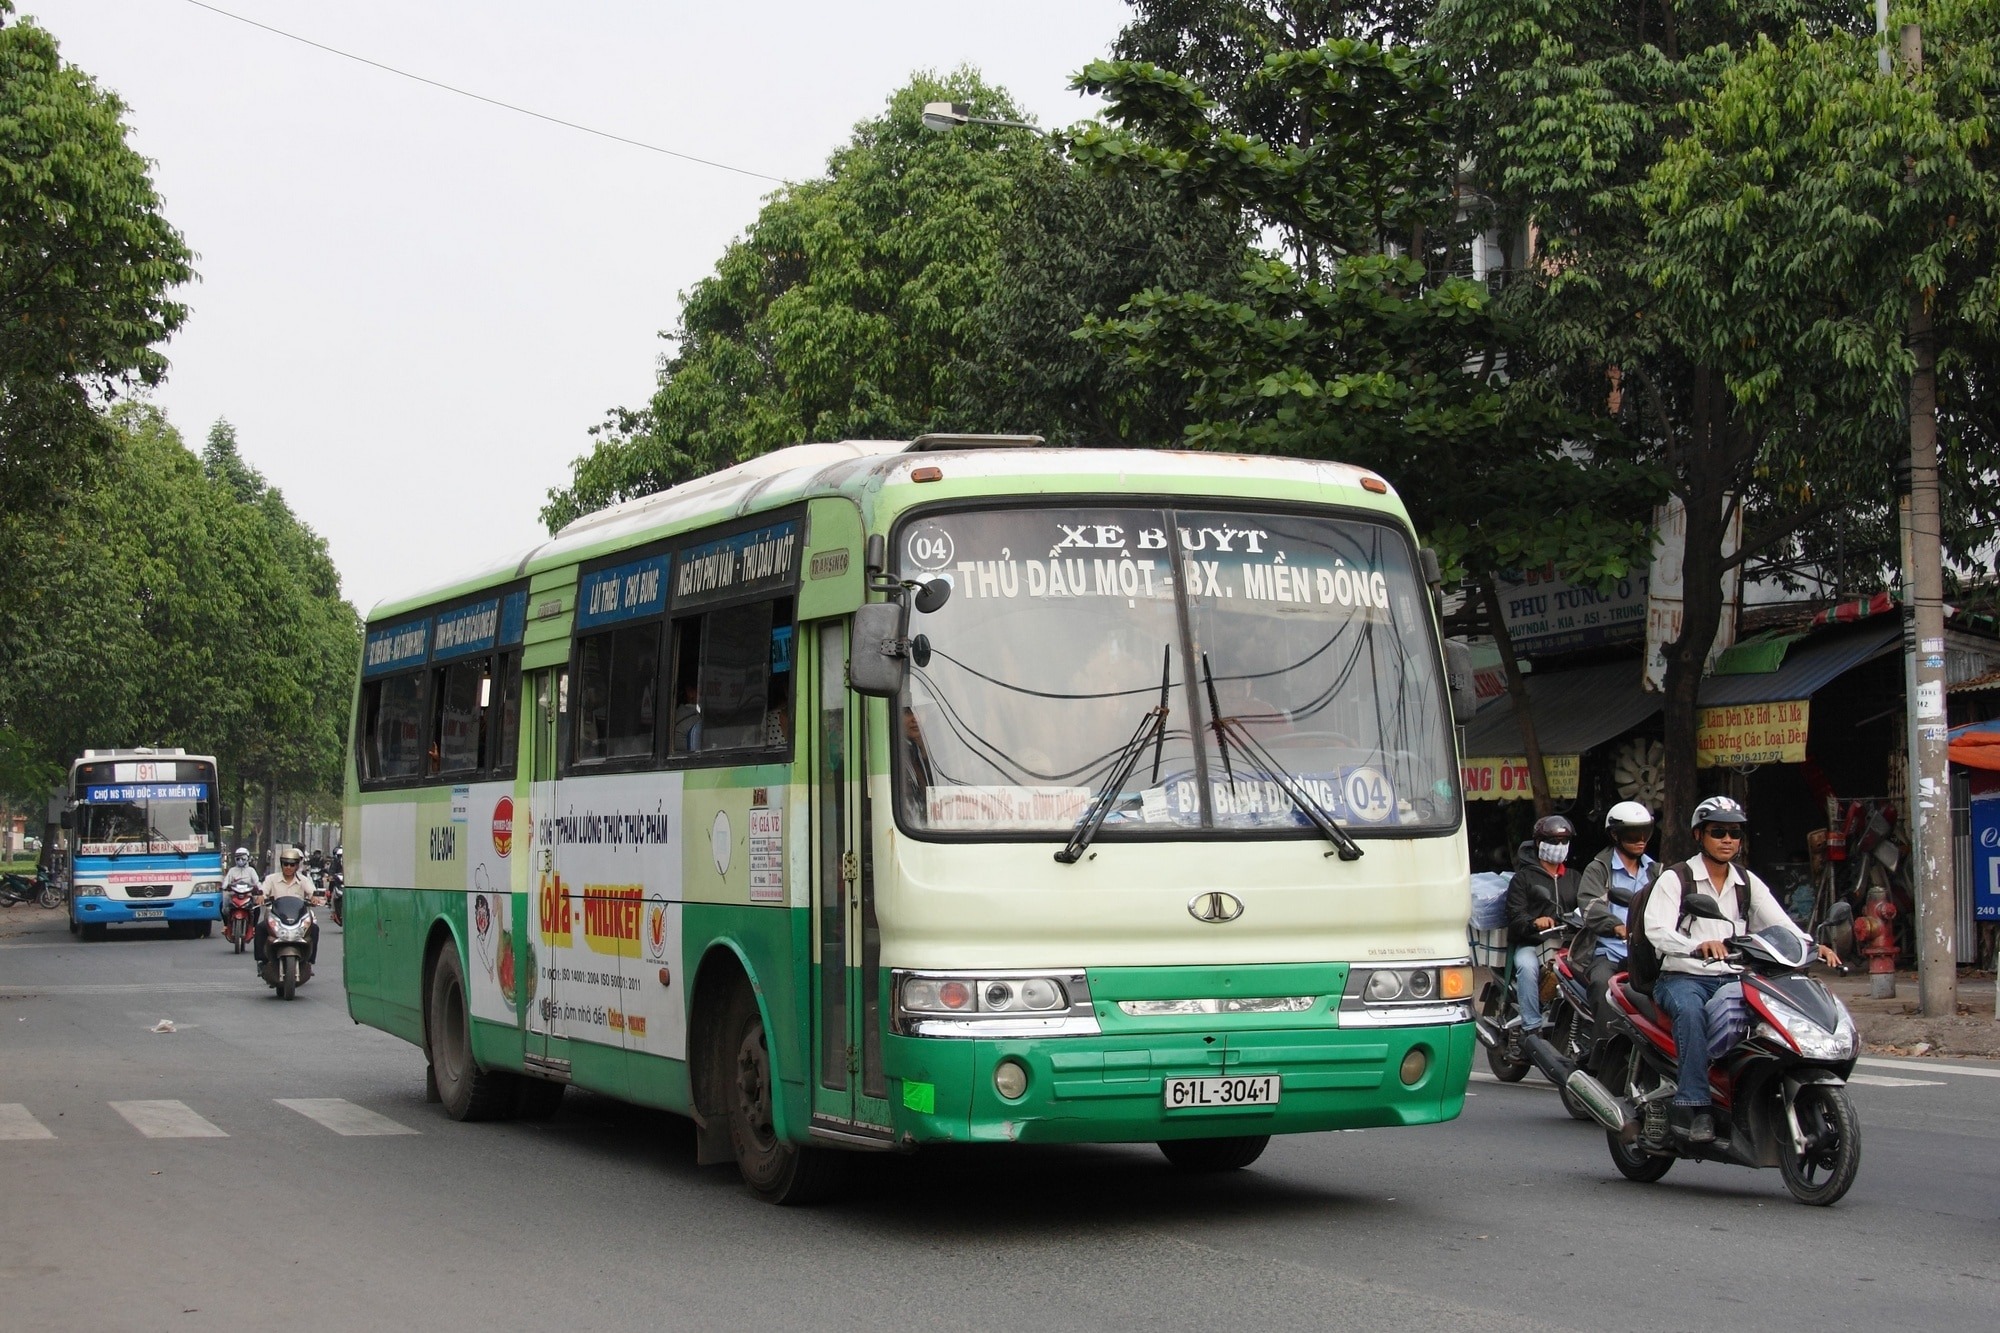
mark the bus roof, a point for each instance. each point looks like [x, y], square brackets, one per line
[140, 752]
[859, 467]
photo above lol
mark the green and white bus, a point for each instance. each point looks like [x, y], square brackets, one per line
[869, 795]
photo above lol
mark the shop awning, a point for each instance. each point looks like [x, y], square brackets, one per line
[1808, 665]
[1977, 745]
[1573, 711]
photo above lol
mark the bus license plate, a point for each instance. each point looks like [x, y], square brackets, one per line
[1184, 1094]
[147, 913]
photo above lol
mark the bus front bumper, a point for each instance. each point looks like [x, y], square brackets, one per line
[114, 911]
[1112, 1089]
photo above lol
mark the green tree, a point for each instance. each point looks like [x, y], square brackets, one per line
[87, 263]
[840, 313]
[1565, 111]
[1362, 345]
[159, 608]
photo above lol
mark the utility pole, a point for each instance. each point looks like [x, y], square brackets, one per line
[1929, 797]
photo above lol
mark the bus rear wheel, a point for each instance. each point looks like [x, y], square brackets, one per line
[1207, 1156]
[467, 1091]
[775, 1171]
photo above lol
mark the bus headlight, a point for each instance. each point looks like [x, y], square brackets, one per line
[1407, 996]
[209, 886]
[971, 1004]
[90, 891]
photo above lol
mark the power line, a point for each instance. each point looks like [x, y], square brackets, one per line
[490, 101]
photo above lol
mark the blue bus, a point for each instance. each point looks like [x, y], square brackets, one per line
[145, 841]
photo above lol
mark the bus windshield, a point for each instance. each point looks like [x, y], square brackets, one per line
[115, 817]
[1065, 627]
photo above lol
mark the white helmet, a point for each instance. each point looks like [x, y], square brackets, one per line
[1627, 815]
[243, 855]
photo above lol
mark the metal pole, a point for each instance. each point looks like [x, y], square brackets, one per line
[1930, 781]
[1882, 36]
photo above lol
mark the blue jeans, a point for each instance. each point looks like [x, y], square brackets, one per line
[1685, 997]
[1528, 986]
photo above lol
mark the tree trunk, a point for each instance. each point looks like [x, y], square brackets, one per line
[1703, 489]
[1517, 697]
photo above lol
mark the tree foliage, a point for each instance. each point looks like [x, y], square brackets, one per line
[161, 607]
[1362, 345]
[87, 263]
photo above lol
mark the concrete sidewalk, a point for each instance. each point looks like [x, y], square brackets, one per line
[1894, 1027]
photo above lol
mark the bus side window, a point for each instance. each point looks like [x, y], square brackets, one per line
[465, 688]
[618, 681]
[397, 731]
[732, 681]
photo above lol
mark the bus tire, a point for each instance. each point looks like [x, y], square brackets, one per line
[774, 1170]
[1206, 1156]
[467, 1091]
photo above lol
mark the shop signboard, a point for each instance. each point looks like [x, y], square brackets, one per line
[1546, 614]
[1986, 846]
[1507, 779]
[1752, 734]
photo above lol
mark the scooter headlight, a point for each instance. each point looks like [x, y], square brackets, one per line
[1813, 1041]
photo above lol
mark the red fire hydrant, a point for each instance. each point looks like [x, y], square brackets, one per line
[1876, 938]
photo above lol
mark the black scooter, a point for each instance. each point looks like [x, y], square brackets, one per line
[1779, 1094]
[288, 946]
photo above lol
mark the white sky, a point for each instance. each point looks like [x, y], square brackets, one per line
[413, 306]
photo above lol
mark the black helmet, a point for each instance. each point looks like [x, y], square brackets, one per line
[1553, 828]
[1718, 810]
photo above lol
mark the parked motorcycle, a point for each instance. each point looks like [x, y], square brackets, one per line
[1780, 1093]
[239, 912]
[42, 887]
[288, 931]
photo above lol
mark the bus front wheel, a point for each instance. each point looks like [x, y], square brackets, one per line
[1204, 1156]
[775, 1171]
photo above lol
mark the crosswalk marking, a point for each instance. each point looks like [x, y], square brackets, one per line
[167, 1120]
[342, 1116]
[1928, 1067]
[16, 1123]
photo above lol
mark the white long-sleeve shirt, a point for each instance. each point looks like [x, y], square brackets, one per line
[1677, 947]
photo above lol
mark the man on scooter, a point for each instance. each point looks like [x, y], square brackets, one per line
[240, 869]
[1537, 896]
[286, 882]
[1625, 867]
[1692, 949]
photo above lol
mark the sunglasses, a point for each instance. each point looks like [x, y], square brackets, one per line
[1733, 834]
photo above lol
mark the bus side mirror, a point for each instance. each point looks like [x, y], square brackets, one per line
[65, 819]
[877, 662]
[1458, 675]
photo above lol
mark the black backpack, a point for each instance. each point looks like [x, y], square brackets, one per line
[1642, 960]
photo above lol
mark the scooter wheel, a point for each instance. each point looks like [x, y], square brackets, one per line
[1504, 1069]
[1634, 1162]
[1826, 1170]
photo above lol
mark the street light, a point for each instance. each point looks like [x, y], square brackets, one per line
[944, 117]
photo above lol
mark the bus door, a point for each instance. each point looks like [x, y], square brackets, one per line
[850, 1093]
[545, 903]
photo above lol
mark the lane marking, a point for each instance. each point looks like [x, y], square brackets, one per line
[167, 1120]
[342, 1116]
[128, 988]
[16, 1123]
[1884, 1081]
[1927, 1066]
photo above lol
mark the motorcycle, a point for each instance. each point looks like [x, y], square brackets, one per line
[336, 888]
[43, 887]
[1497, 1023]
[288, 948]
[1779, 1093]
[239, 912]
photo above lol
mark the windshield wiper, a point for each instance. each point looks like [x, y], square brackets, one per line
[152, 831]
[1152, 727]
[1225, 727]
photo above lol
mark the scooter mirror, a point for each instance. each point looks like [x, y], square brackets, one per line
[1703, 905]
